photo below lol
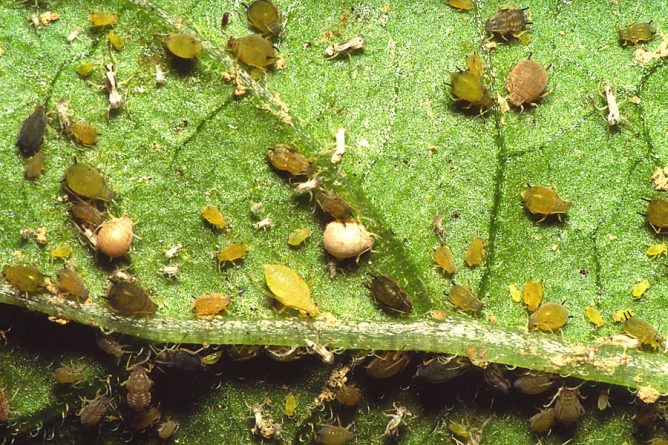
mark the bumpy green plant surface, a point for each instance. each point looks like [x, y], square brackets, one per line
[411, 154]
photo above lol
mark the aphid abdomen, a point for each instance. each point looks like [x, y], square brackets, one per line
[507, 21]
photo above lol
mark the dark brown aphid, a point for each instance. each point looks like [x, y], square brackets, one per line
[67, 374]
[333, 435]
[109, 345]
[144, 419]
[388, 364]
[533, 383]
[526, 83]
[71, 286]
[130, 300]
[646, 416]
[263, 16]
[657, 214]
[287, 159]
[544, 202]
[85, 181]
[389, 295]
[465, 300]
[285, 353]
[541, 422]
[636, 32]
[348, 395]
[442, 368]
[25, 278]
[495, 379]
[568, 408]
[507, 21]
[179, 360]
[34, 167]
[225, 20]
[643, 331]
[92, 411]
[334, 205]
[32, 131]
[4, 407]
[253, 50]
[86, 214]
[139, 386]
[468, 87]
[241, 353]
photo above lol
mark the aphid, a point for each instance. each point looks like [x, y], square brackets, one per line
[646, 416]
[286, 354]
[253, 50]
[116, 41]
[333, 435]
[84, 180]
[34, 167]
[86, 214]
[114, 238]
[326, 356]
[346, 240]
[464, 299]
[130, 300]
[656, 250]
[637, 32]
[263, 224]
[170, 271]
[213, 216]
[71, 285]
[85, 69]
[495, 379]
[179, 360]
[109, 345]
[183, 46]
[549, 317]
[532, 295]
[173, 251]
[144, 419]
[526, 83]
[533, 382]
[92, 411]
[347, 47]
[84, 134]
[25, 278]
[639, 289]
[643, 331]
[515, 293]
[389, 295]
[459, 429]
[63, 112]
[443, 259]
[66, 374]
[233, 252]
[213, 358]
[508, 21]
[290, 404]
[225, 20]
[61, 252]
[474, 65]
[657, 214]
[622, 315]
[289, 289]
[340, 151]
[614, 116]
[603, 400]
[442, 368]
[167, 429]
[461, 5]
[308, 186]
[544, 202]
[265, 427]
[138, 386]
[241, 353]
[159, 75]
[542, 421]
[348, 395]
[298, 236]
[397, 418]
[102, 19]
[4, 407]
[208, 305]
[32, 132]
[111, 84]
[263, 16]
[467, 87]
[594, 315]
[474, 253]
[287, 159]
[386, 365]
[568, 408]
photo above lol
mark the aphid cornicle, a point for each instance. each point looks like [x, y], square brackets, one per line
[389, 295]
[183, 46]
[657, 214]
[526, 83]
[287, 159]
[643, 331]
[533, 382]
[263, 16]
[549, 317]
[85, 181]
[130, 300]
[92, 411]
[543, 202]
[138, 386]
[348, 395]
[333, 435]
[636, 33]
[388, 364]
[508, 21]
[289, 289]
[32, 131]
[253, 50]
[465, 300]
[25, 278]
[542, 421]
[442, 368]
[568, 408]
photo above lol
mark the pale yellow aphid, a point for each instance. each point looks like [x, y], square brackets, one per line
[594, 315]
[532, 295]
[622, 315]
[102, 19]
[474, 253]
[289, 289]
[474, 65]
[290, 404]
[232, 253]
[655, 250]
[443, 258]
[515, 293]
[640, 288]
[298, 236]
[61, 252]
[213, 216]
[116, 41]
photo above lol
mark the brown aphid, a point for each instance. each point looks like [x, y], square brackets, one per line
[643, 331]
[4, 407]
[543, 201]
[67, 374]
[109, 345]
[348, 47]
[287, 159]
[542, 421]
[533, 383]
[549, 317]
[442, 368]
[85, 181]
[389, 295]
[86, 214]
[636, 33]
[333, 435]
[84, 134]
[71, 286]
[334, 205]
[183, 46]
[263, 16]
[386, 365]
[102, 19]
[144, 419]
[444, 259]
[139, 386]
[474, 253]
[92, 411]
[646, 416]
[241, 353]
[32, 132]
[25, 278]
[208, 305]
[532, 295]
[233, 252]
[34, 166]
[495, 379]
[167, 429]
[507, 21]
[253, 50]
[130, 300]
[657, 214]
[465, 300]
[568, 408]
[461, 5]
[468, 87]
[348, 395]
[213, 216]
[526, 83]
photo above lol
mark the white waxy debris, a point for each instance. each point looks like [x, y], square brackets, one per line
[159, 75]
[169, 271]
[71, 37]
[396, 419]
[263, 225]
[613, 118]
[354, 44]
[256, 208]
[111, 84]
[308, 186]
[63, 110]
[173, 251]
[340, 146]
[325, 354]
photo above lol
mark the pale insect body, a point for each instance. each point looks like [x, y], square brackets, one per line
[397, 418]
[264, 427]
[289, 289]
[325, 354]
[111, 84]
[549, 317]
[347, 47]
[138, 386]
[532, 295]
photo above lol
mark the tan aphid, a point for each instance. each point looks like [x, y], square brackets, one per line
[444, 259]
[115, 237]
[465, 300]
[84, 134]
[549, 317]
[532, 295]
[526, 83]
[210, 304]
[475, 251]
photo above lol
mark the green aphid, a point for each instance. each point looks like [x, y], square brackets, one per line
[32, 132]
[183, 45]
[636, 33]
[84, 69]
[85, 181]
[130, 300]
[657, 214]
[25, 278]
[467, 87]
[643, 331]
[253, 50]
[465, 300]
[34, 167]
[263, 16]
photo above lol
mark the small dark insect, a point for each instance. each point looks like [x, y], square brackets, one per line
[71, 286]
[25, 278]
[643, 331]
[86, 214]
[92, 411]
[442, 368]
[139, 386]
[657, 214]
[542, 421]
[388, 364]
[287, 159]
[253, 50]
[495, 379]
[333, 435]
[389, 295]
[544, 202]
[568, 408]
[241, 353]
[32, 131]
[66, 374]
[225, 20]
[549, 317]
[533, 383]
[263, 16]
[526, 83]
[167, 429]
[646, 416]
[130, 300]
[4, 407]
[285, 353]
[465, 300]
[334, 205]
[34, 167]
[179, 360]
[637, 32]
[144, 419]
[109, 345]
[348, 395]
[85, 181]
[508, 21]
